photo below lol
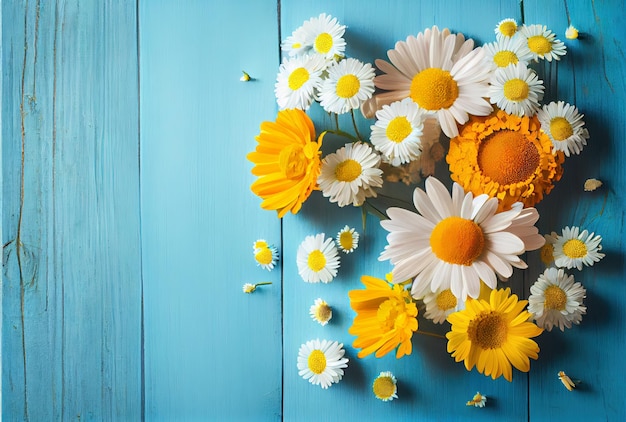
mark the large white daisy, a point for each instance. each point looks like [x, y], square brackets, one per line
[542, 42]
[398, 130]
[516, 89]
[507, 51]
[556, 300]
[573, 248]
[565, 127]
[298, 80]
[456, 240]
[317, 259]
[348, 84]
[349, 175]
[324, 36]
[322, 362]
[441, 73]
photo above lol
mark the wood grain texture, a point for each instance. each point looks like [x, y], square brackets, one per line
[211, 351]
[591, 76]
[71, 264]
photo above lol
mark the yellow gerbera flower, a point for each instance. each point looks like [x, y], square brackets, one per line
[507, 157]
[494, 335]
[386, 318]
[287, 162]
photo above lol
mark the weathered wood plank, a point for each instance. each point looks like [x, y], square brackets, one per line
[591, 76]
[211, 351]
[431, 385]
[72, 276]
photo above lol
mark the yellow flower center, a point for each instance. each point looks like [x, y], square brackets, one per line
[293, 161]
[323, 312]
[446, 300]
[348, 170]
[508, 28]
[504, 58]
[398, 129]
[560, 128]
[316, 260]
[539, 44]
[508, 157]
[515, 89]
[298, 78]
[348, 86]
[317, 361]
[323, 43]
[457, 240]
[547, 253]
[260, 244]
[384, 387]
[575, 248]
[555, 298]
[488, 330]
[346, 240]
[264, 256]
[434, 89]
[296, 45]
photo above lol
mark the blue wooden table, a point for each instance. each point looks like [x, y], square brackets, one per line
[128, 220]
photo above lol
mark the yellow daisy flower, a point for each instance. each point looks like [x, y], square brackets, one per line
[321, 311]
[505, 156]
[287, 162]
[386, 318]
[494, 335]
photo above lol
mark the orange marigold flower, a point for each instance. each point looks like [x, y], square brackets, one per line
[386, 318]
[287, 162]
[507, 157]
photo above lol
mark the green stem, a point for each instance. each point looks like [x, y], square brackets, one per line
[356, 129]
[382, 195]
[426, 333]
[263, 283]
[344, 134]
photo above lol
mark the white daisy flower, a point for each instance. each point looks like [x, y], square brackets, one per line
[457, 240]
[298, 80]
[565, 127]
[441, 73]
[542, 42]
[398, 130]
[317, 259]
[320, 311]
[296, 44]
[322, 362]
[349, 83]
[507, 51]
[251, 288]
[574, 248]
[516, 89]
[385, 386]
[556, 300]
[265, 255]
[324, 35]
[478, 400]
[349, 175]
[347, 239]
[506, 28]
[440, 304]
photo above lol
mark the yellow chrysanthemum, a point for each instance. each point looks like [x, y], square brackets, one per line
[507, 157]
[494, 335]
[386, 318]
[287, 162]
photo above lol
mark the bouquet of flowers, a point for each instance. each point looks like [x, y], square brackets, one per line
[505, 149]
